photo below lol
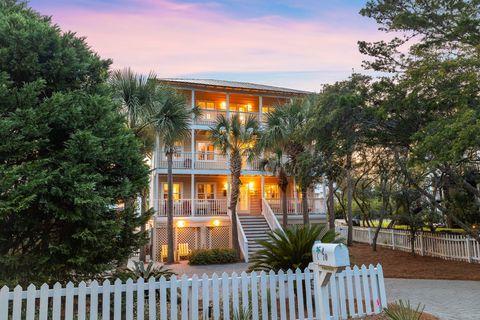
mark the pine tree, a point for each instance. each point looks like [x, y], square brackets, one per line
[66, 157]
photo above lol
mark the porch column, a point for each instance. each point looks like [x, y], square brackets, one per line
[263, 187]
[227, 102]
[192, 146]
[192, 193]
[260, 106]
[295, 194]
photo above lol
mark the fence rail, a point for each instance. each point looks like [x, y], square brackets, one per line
[354, 292]
[446, 246]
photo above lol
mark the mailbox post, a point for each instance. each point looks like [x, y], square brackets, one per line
[328, 259]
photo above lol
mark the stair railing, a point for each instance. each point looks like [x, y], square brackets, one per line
[271, 218]
[242, 239]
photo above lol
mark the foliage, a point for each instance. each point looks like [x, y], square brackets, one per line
[291, 248]
[402, 311]
[140, 271]
[66, 157]
[242, 314]
[212, 256]
[237, 139]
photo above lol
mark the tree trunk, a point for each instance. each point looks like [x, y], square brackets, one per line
[331, 204]
[382, 214]
[143, 209]
[349, 200]
[170, 252]
[235, 169]
[306, 216]
[283, 184]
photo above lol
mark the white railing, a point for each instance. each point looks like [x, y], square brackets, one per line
[204, 161]
[181, 207]
[270, 216]
[242, 239]
[245, 115]
[209, 117]
[440, 245]
[294, 206]
[210, 207]
[202, 207]
[355, 292]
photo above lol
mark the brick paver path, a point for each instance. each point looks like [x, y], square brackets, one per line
[446, 299]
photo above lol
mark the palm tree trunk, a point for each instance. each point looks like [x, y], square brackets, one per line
[170, 257]
[143, 209]
[283, 184]
[235, 169]
[349, 199]
[306, 216]
[331, 204]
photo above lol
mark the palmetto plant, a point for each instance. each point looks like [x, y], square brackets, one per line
[401, 311]
[291, 248]
[236, 139]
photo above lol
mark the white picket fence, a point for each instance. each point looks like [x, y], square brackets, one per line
[446, 246]
[354, 292]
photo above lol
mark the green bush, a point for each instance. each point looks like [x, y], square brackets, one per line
[402, 311]
[212, 256]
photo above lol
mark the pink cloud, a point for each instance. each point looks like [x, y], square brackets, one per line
[174, 39]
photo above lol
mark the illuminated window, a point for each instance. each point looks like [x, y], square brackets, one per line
[272, 191]
[205, 151]
[241, 107]
[206, 191]
[206, 104]
[267, 109]
[177, 194]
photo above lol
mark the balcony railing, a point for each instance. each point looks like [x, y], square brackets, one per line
[209, 116]
[204, 161]
[294, 206]
[201, 207]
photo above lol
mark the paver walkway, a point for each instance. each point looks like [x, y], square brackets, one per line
[446, 299]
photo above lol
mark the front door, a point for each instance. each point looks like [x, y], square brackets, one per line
[244, 199]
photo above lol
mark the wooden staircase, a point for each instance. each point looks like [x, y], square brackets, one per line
[255, 228]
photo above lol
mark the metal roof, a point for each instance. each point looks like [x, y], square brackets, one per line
[247, 86]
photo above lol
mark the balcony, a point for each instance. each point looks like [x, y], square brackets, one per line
[205, 161]
[294, 206]
[194, 207]
[209, 117]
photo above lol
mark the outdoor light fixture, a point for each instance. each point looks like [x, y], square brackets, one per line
[180, 224]
[216, 223]
[251, 185]
[223, 105]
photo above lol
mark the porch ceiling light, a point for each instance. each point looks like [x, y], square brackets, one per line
[180, 224]
[251, 185]
[216, 223]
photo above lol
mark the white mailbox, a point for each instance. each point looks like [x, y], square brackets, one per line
[330, 255]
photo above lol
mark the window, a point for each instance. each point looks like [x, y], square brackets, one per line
[267, 109]
[206, 191]
[205, 151]
[177, 193]
[206, 104]
[241, 107]
[272, 191]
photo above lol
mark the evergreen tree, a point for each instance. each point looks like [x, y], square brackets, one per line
[66, 157]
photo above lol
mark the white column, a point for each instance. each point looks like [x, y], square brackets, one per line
[260, 106]
[192, 193]
[295, 194]
[192, 147]
[193, 98]
[263, 187]
[227, 102]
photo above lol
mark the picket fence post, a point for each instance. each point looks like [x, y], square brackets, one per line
[422, 245]
[393, 238]
[370, 241]
[469, 249]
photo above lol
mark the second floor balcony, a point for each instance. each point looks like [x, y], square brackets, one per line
[205, 161]
[208, 117]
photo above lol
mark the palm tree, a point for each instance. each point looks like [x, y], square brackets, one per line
[283, 130]
[135, 94]
[172, 121]
[276, 164]
[237, 140]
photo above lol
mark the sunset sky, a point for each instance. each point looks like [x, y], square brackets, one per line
[299, 44]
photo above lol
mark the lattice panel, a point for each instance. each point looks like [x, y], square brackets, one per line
[161, 239]
[190, 235]
[218, 237]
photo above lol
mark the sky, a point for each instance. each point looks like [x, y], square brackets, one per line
[299, 44]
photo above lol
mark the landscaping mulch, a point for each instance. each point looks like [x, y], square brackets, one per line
[399, 264]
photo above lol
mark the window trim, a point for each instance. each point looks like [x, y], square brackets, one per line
[214, 190]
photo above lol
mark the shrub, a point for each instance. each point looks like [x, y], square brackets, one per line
[291, 249]
[212, 256]
[401, 311]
